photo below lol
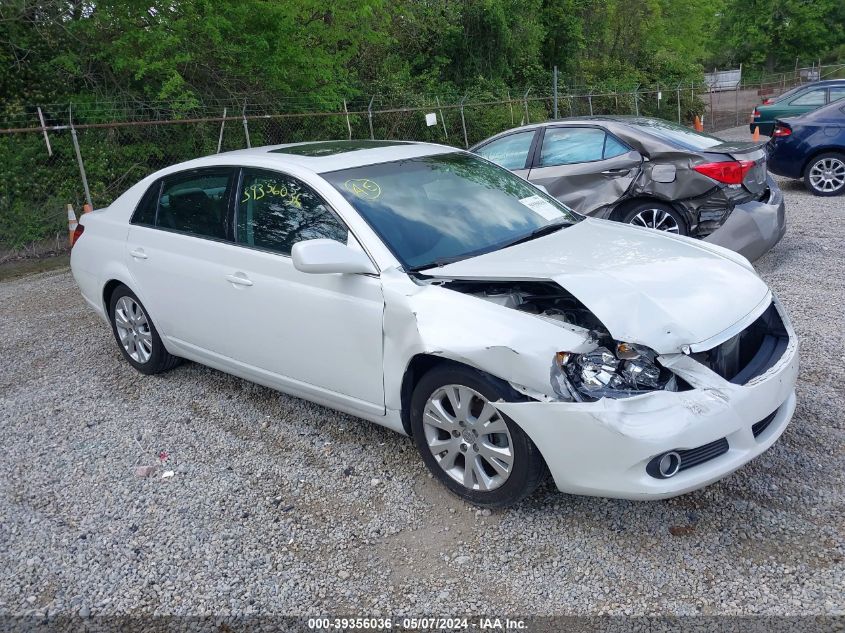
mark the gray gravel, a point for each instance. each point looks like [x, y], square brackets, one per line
[277, 506]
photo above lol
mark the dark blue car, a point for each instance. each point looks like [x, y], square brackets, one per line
[812, 147]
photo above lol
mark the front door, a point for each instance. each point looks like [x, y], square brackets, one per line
[323, 332]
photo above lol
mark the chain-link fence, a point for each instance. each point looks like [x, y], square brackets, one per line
[53, 156]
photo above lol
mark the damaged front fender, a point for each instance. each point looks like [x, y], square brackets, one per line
[429, 319]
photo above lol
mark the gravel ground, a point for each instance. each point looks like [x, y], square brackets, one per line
[278, 506]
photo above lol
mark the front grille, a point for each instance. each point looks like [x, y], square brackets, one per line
[695, 456]
[750, 353]
[763, 424]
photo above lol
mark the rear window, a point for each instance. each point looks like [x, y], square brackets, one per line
[677, 135]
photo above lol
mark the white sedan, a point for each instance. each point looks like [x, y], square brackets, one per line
[435, 293]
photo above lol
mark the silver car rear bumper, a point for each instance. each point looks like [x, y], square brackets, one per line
[753, 228]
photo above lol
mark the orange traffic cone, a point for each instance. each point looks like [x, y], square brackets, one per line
[699, 126]
[71, 224]
[756, 136]
[86, 208]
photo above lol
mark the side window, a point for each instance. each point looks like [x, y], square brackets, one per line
[836, 93]
[510, 152]
[196, 203]
[564, 146]
[145, 213]
[612, 147]
[812, 98]
[275, 211]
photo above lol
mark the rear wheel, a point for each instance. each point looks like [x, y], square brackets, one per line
[472, 448]
[136, 335]
[655, 215]
[825, 174]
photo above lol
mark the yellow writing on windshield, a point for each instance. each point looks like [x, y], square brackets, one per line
[363, 188]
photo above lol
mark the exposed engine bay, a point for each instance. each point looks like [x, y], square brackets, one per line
[613, 369]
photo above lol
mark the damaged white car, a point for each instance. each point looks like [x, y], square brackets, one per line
[435, 293]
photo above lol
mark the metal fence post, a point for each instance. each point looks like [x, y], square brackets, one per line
[370, 117]
[348, 124]
[736, 100]
[463, 122]
[220, 138]
[79, 158]
[590, 101]
[679, 103]
[569, 100]
[636, 101]
[246, 126]
[554, 88]
[712, 117]
[442, 119]
[525, 101]
[44, 129]
[510, 103]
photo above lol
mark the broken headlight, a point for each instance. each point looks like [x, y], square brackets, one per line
[628, 370]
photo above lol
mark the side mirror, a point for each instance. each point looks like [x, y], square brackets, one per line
[329, 256]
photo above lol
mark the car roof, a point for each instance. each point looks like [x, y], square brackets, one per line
[326, 156]
[615, 120]
[822, 83]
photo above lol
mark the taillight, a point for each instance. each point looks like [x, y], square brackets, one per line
[756, 113]
[731, 172]
[767, 102]
[77, 232]
[781, 130]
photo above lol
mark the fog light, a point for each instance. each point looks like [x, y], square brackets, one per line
[669, 464]
[665, 465]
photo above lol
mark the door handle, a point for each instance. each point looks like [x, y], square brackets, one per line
[239, 279]
[138, 253]
[616, 172]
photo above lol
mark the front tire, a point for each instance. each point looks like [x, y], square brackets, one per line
[656, 215]
[136, 335]
[825, 174]
[473, 449]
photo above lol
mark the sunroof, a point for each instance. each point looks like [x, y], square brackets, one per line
[329, 148]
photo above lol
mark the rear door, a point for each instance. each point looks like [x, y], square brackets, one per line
[174, 250]
[512, 151]
[584, 167]
[804, 102]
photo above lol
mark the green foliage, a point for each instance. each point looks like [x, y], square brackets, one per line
[776, 33]
[178, 57]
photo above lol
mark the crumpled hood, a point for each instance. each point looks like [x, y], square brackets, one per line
[646, 287]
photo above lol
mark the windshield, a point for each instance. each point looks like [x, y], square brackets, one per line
[434, 209]
[677, 135]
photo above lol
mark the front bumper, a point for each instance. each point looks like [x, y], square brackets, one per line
[753, 228]
[602, 448]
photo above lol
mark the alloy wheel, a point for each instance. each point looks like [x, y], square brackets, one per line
[133, 329]
[468, 437]
[656, 219]
[828, 175]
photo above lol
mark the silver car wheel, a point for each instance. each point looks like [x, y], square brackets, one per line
[133, 329]
[659, 219]
[828, 175]
[468, 437]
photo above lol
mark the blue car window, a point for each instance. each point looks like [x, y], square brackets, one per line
[564, 146]
[612, 147]
[812, 98]
[509, 152]
[836, 93]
